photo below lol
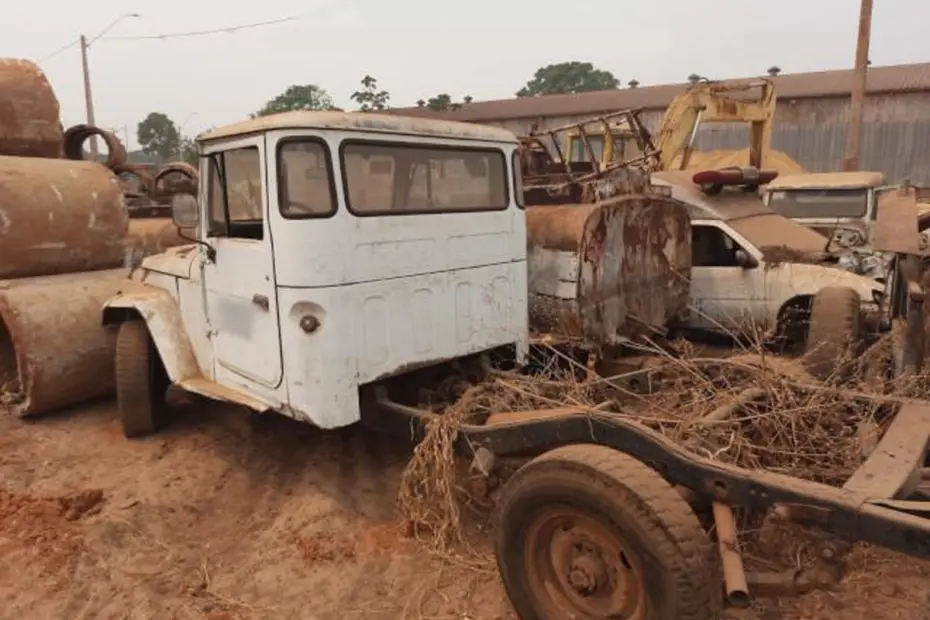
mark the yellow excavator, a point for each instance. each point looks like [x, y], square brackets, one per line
[732, 101]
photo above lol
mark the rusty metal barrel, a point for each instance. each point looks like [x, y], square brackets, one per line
[59, 216]
[53, 350]
[153, 235]
[604, 272]
[29, 111]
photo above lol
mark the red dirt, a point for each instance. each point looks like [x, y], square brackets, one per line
[220, 519]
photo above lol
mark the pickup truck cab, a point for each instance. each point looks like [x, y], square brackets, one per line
[333, 251]
[843, 206]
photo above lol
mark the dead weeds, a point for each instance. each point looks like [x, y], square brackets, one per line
[750, 408]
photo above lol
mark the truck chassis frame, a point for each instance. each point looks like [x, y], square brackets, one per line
[880, 503]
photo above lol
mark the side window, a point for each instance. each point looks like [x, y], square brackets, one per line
[711, 247]
[518, 179]
[235, 195]
[305, 179]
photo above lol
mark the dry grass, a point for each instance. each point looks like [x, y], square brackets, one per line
[820, 431]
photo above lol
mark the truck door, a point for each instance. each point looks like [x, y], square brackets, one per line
[725, 296]
[239, 283]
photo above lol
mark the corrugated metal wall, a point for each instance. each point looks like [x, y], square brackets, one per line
[895, 138]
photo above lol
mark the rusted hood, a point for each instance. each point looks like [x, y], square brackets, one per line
[608, 271]
[557, 227]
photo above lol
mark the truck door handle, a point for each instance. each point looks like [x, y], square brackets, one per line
[261, 301]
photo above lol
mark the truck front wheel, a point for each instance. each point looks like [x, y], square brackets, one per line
[585, 531]
[141, 381]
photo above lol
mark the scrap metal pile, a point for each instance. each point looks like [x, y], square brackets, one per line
[66, 234]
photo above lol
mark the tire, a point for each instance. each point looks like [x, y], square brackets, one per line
[835, 333]
[650, 532]
[141, 381]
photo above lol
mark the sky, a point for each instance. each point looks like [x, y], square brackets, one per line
[417, 48]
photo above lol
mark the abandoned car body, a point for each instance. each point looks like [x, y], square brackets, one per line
[753, 269]
[337, 249]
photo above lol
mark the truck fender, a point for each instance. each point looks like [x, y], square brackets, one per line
[162, 316]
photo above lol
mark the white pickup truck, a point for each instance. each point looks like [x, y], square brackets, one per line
[754, 270]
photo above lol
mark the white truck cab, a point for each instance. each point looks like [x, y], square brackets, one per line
[752, 269]
[333, 250]
[839, 205]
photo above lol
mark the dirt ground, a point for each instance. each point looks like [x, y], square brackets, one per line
[221, 518]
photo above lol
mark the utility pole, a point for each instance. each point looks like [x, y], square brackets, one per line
[88, 97]
[857, 95]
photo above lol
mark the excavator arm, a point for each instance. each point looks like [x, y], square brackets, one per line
[717, 102]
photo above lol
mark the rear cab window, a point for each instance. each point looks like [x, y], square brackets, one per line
[390, 178]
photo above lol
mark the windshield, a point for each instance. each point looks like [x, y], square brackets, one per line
[769, 230]
[820, 203]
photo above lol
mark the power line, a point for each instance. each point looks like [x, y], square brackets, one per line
[61, 49]
[197, 33]
[178, 35]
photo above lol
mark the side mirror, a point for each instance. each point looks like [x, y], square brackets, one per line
[745, 260]
[185, 213]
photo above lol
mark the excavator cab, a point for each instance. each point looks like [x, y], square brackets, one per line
[553, 173]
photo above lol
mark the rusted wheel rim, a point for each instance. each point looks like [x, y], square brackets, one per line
[578, 568]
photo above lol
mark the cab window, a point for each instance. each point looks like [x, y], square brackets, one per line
[305, 179]
[711, 247]
[234, 197]
[395, 179]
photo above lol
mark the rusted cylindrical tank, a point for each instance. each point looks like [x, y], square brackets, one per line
[59, 216]
[29, 112]
[76, 136]
[609, 271]
[53, 350]
[153, 235]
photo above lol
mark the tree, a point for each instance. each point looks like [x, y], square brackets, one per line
[158, 136]
[443, 102]
[439, 103]
[298, 97]
[568, 77]
[369, 98]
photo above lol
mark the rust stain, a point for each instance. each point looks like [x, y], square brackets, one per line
[896, 226]
[633, 258]
[153, 235]
[167, 183]
[77, 135]
[557, 227]
[57, 353]
[29, 111]
[59, 216]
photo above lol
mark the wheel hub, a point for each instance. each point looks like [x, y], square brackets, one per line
[583, 570]
[587, 574]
